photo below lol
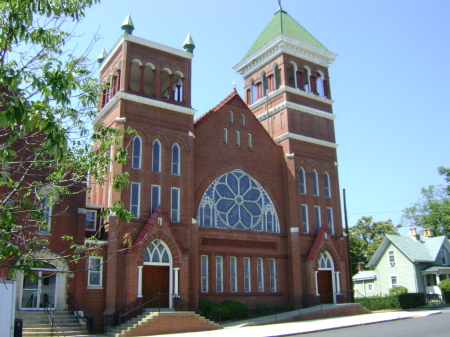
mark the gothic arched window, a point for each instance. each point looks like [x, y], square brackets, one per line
[156, 156]
[137, 151]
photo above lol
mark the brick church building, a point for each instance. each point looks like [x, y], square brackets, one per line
[241, 203]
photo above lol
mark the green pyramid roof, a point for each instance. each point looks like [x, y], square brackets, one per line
[283, 23]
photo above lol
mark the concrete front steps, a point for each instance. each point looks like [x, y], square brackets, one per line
[164, 322]
[36, 323]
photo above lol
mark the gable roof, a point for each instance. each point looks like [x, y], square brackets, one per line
[234, 96]
[425, 250]
[283, 23]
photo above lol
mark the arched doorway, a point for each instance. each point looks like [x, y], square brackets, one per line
[157, 275]
[325, 279]
[39, 292]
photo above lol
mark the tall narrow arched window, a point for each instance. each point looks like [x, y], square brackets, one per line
[315, 182]
[148, 78]
[277, 74]
[165, 83]
[302, 180]
[156, 156]
[175, 160]
[305, 79]
[178, 87]
[319, 84]
[265, 84]
[293, 75]
[326, 178]
[254, 90]
[137, 152]
[135, 77]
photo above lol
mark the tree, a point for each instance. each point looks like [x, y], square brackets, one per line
[433, 209]
[47, 100]
[366, 236]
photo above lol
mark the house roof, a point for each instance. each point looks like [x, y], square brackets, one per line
[425, 250]
[364, 275]
[283, 23]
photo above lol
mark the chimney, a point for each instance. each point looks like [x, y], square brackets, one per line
[413, 234]
[361, 266]
[427, 233]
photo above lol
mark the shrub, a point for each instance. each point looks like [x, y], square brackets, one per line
[445, 288]
[411, 300]
[233, 310]
[398, 290]
[228, 310]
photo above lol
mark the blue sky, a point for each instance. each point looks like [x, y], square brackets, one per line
[390, 82]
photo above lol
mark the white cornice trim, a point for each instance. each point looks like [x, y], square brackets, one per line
[141, 100]
[294, 106]
[295, 136]
[284, 44]
[283, 89]
[146, 43]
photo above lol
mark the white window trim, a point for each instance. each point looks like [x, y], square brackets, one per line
[136, 216]
[238, 138]
[48, 218]
[391, 263]
[302, 177]
[94, 219]
[304, 211]
[330, 220]
[260, 274]
[219, 274]
[151, 197]
[315, 180]
[250, 141]
[369, 287]
[390, 281]
[327, 185]
[247, 276]
[159, 169]
[139, 155]
[273, 276]
[177, 218]
[317, 219]
[233, 280]
[204, 266]
[243, 120]
[444, 257]
[177, 173]
[90, 271]
[231, 117]
[225, 136]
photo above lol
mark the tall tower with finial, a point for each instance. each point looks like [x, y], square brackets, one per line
[148, 88]
[287, 87]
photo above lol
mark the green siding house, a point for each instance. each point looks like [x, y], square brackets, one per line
[417, 262]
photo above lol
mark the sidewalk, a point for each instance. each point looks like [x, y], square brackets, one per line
[286, 329]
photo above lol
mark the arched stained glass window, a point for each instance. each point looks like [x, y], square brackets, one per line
[175, 160]
[315, 182]
[137, 150]
[325, 261]
[237, 201]
[157, 252]
[156, 156]
[302, 179]
[326, 178]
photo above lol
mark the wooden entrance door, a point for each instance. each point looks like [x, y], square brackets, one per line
[155, 282]
[325, 282]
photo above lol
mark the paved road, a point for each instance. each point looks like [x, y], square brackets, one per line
[430, 326]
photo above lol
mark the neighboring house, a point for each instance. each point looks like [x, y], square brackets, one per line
[416, 262]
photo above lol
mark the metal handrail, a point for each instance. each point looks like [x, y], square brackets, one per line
[49, 312]
[86, 317]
